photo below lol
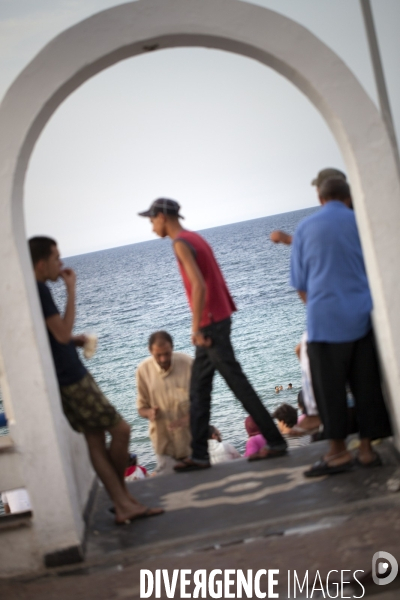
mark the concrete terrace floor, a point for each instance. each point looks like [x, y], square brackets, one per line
[237, 515]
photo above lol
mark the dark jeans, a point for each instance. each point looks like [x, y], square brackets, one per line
[221, 357]
[332, 365]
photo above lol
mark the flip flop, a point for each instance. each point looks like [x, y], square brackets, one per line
[321, 468]
[377, 462]
[188, 464]
[267, 452]
[149, 512]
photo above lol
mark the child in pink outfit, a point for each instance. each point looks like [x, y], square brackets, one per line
[256, 440]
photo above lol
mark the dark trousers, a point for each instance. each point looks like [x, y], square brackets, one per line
[332, 365]
[221, 357]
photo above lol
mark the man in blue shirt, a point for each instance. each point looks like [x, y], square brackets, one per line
[327, 269]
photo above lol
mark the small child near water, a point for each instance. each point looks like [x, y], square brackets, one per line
[133, 471]
[256, 440]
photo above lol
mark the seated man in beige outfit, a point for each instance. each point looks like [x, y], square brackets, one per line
[163, 382]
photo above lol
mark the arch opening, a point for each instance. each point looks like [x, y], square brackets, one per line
[230, 187]
[216, 140]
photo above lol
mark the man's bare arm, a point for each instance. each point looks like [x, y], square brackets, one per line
[143, 403]
[303, 296]
[79, 340]
[198, 285]
[149, 413]
[61, 327]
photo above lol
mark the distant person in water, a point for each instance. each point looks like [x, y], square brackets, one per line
[86, 408]
[290, 386]
[212, 307]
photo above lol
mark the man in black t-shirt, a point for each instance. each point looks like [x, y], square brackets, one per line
[85, 406]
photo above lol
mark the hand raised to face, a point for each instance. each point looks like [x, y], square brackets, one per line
[69, 277]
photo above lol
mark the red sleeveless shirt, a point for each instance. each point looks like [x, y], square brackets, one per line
[219, 304]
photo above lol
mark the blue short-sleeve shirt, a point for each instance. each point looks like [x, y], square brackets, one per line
[327, 263]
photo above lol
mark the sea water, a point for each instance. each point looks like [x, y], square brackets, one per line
[126, 293]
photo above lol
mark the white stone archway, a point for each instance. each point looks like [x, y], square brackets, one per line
[49, 456]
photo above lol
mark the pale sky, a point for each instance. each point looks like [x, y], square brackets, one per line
[227, 137]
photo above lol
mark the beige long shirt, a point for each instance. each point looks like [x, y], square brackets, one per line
[169, 391]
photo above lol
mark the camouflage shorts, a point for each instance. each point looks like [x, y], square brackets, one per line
[86, 407]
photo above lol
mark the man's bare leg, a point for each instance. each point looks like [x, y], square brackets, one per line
[125, 507]
[337, 453]
[366, 453]
[118, 452]
[118, 449]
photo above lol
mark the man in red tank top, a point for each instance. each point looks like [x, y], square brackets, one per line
[212, 307]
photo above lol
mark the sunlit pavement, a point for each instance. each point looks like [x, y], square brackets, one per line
[238, 515]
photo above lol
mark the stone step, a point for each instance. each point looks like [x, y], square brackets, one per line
[11, 476]
[15, 521]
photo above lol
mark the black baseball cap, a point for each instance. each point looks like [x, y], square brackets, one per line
[162, 205]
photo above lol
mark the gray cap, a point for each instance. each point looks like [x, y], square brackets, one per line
[325, 173]
[162, 205]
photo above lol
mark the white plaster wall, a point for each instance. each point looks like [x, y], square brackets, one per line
[63, 65]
